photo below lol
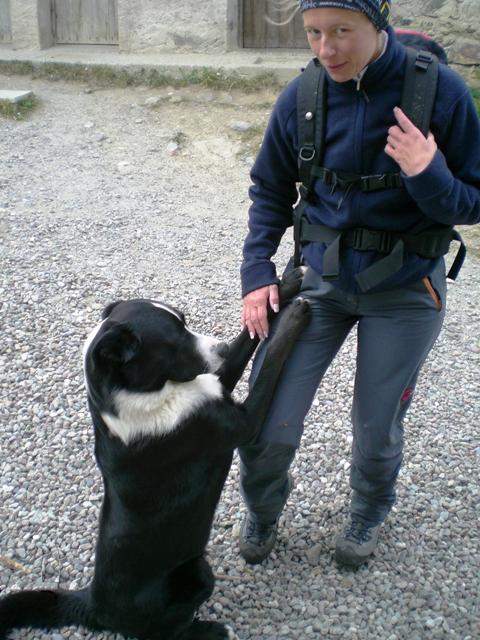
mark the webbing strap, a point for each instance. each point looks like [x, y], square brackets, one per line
[382, 269]
[331, 259]
[297, 224]
[311, 114]
[373, 275]
[419, 88]
[427, 244]
[367, 183]
[459, 258]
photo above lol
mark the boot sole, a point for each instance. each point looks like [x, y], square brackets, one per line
[347, 561]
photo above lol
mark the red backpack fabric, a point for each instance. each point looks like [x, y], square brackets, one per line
[418, 40]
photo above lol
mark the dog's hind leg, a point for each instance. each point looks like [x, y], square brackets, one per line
[192, 582]
[190, 585]
[243, 347]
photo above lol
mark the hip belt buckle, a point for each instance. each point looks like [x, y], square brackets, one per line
[372, 240]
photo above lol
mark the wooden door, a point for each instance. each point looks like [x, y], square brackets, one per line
[261, 34]
[85, 21]
[5, 29]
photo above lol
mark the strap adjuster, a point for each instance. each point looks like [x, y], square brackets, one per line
[381, 181]
[345, 180]
[372, 240]
[372, 183]
[423, 60]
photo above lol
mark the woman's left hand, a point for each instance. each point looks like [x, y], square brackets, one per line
[408, 146]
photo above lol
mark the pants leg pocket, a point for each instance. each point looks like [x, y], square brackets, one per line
[433, 293]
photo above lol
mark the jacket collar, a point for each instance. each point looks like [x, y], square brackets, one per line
[381, 71]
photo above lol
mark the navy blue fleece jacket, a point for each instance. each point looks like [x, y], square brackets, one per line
[446, 192]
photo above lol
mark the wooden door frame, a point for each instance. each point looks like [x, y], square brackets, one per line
[55, 35]
[235, 27]
[7, 39]
[234, 39]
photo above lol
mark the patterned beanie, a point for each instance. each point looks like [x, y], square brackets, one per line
[377, 10]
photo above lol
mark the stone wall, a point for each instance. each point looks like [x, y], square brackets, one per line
[454, 23]
[172, 25]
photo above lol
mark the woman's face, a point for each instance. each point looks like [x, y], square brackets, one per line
[344, 41]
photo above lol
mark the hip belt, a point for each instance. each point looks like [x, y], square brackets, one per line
[432, 243]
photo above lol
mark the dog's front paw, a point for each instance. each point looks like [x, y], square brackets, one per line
[294, 319]
[299, 311]
[291, 283]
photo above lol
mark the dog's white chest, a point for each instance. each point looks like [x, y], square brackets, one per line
[160, 412]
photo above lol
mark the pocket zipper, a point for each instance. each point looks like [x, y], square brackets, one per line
[434, 295]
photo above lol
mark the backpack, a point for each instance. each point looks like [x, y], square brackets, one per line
[418, 97]
[418, 40]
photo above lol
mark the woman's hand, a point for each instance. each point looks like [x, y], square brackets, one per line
[255, 307]
[408, 146]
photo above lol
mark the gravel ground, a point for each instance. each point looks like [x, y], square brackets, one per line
[137, 192]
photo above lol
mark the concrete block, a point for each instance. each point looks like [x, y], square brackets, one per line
[14, 96]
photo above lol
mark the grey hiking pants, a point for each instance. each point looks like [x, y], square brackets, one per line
[396, 330]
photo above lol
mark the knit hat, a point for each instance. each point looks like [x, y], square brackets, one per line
[377, 10]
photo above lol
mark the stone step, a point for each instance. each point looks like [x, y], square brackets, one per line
[14, 96]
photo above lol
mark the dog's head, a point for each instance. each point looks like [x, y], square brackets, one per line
[142, 344]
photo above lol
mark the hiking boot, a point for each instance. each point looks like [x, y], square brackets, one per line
[256, 539]
[356, 543]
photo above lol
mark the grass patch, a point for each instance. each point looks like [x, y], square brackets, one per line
[18, 110]
[221, 80]
[106, 76]
[476, 99]
[252, 138]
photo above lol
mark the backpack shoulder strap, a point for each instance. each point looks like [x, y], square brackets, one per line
[419, 88]
[311, 116]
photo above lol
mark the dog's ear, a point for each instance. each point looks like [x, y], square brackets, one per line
[109, 308]
[118, 343]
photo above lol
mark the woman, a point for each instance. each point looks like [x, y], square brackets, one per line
[399, 317]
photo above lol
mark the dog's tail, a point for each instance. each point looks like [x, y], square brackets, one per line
[44, 609]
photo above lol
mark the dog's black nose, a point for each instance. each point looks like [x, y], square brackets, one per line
[221, 349]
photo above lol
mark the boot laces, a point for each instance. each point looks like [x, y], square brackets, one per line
[258, 530]
[358, 532]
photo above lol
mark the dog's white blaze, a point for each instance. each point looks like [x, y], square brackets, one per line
[86, 345]
[206, 346]
[159, 412]
[159, 305]
[91, 337]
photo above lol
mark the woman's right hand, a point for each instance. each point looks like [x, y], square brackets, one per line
[255, 307]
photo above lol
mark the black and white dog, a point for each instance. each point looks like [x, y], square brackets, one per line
[165, 431]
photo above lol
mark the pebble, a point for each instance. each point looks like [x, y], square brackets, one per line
[172, 148]
[240, 125]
